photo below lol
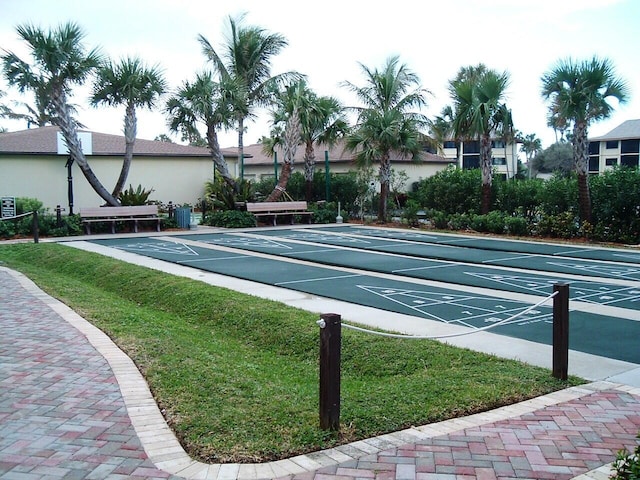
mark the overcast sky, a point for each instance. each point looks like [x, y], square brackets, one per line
[329, 39]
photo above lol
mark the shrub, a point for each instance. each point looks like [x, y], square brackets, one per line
[562, 225]
[559, 194]
[627, 465]
[410, 213]
[453, 190]
[230, 219]
[459, 221]
[516, 226]
[139, 196]
[324, 212]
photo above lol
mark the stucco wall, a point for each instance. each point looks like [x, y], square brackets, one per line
[180, 180]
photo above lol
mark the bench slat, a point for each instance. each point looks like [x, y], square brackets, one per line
[133, 213]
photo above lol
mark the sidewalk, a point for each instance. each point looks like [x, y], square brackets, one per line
[72, 405]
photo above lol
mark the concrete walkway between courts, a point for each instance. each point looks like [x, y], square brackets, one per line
[74, 406]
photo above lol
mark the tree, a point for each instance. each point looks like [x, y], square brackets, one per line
[530, 146]
[244, 66]
[480, 113]
[441, 128]
[386, 124]
[556, 158]
[132, 84]
[579, 94]
[290, 139]
[202, 101]
[163, 137]
[60, 61]
[322, 121]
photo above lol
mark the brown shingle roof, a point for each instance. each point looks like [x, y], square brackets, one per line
[43, 141]
[337, 153]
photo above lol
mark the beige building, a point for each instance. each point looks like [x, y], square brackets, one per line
[619, 147]
[504, 156]
[261, 165]
[33, 163]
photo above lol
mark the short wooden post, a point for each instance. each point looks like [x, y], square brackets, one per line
[58, 216]
[330, 344]
[561, 331]
[35, 228]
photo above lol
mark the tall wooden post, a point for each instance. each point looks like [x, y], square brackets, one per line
[35, 227]
[330, 344]
[561, 331]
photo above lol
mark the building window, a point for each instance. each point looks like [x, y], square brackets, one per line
[594, 164]
[449, 144]
[471, 147]
[498, 161]
[594, 148]
[497, 144]
[630, 146]
[612, 144]
[629, 160]
[471, 161]
[611, 162]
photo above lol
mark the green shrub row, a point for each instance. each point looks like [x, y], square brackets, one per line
[451, 200]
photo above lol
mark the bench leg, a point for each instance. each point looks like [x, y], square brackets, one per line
[158, 226]
[135, 226]
[113, 226]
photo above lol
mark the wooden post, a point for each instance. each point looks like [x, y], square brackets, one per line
[35, 228]
[561, 331]
[330, 344]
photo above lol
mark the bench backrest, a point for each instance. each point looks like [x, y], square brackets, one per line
[106, 212]
[276, 206]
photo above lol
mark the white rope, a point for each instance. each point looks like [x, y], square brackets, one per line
[436, 337]
[17, 216]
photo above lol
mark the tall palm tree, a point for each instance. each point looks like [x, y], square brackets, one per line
[245, 65]
[322, 121]
[60, 61]
[480, 113]
[580, 93]
[132, 84]
[441, 128]
[530, 146]
[386, 123]
[202, 102]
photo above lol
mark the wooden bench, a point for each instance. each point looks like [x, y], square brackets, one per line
[279, 209]
[135, 214]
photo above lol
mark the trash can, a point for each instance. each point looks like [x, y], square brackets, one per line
[183, 217]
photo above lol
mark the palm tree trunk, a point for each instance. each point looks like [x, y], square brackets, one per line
[289, 146]
[485, 159]
[70, 134]
[130, 131]
[241, 146]
[581, 158]
[385, 178]
[309, 168]
[218, 158]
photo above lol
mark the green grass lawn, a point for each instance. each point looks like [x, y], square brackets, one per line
[238, 375]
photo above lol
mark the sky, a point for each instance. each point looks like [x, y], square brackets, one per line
[331, 41]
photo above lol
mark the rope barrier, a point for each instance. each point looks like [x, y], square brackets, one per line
[17, 216]
[450, 335]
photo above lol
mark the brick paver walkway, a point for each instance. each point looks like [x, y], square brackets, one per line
[62, 415]
[61, 411]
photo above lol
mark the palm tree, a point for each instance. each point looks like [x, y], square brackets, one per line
[531, 146]
[441, 128]
[386, 123]
[132, 84]
[289, 140]
[480, 113]
[245, 65]
[60, 61]
[579, 93]
[322, 121]
[203, 102]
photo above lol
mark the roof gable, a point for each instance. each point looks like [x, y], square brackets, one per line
[626, 130]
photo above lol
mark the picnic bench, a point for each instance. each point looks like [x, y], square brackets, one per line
[273, 210]
[134, 214]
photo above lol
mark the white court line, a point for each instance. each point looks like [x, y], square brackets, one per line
[531, 255]
[581, 250]
[322, 279]
[235, 257]
[451, 264]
